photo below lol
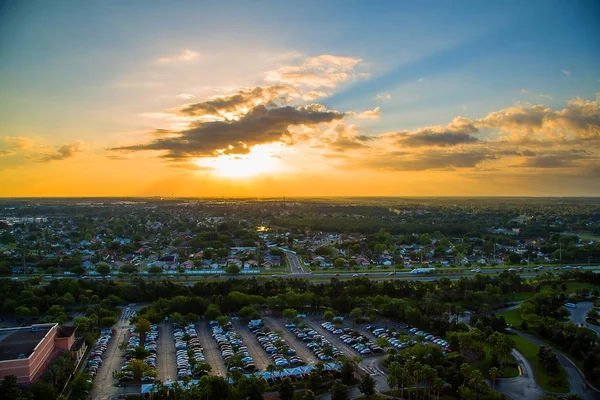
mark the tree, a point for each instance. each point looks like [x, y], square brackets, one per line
[347, 371]
[212, 312]
[286, 389]
[232, 269]
[290, 314]
[142, 326]
[501, 347]
[140, 368]
[309, 395]
[223, 320]
[314, 380]
[382, 342]
[155, 270]
[494, 374]
[248, 312]
[202, 368]
[425, 239]
[107, 322]
[328, 315]
[339, 391]
[103, 268]
[367, 385]
[251, 388]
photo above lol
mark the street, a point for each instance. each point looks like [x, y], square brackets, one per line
[295, 263]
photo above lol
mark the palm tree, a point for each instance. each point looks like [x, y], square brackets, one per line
[494, 374]
[438, 385]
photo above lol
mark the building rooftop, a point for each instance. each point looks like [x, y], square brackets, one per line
[23, 340]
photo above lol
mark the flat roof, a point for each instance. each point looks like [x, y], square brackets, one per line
[17, 341]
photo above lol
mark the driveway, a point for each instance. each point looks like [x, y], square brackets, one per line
[212, 354]
[578, 315]
[103, 387]
[166, 365]
[577, 381]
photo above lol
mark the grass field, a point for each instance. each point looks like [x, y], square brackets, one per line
[512, 317]
[520, 296]
[530, 350]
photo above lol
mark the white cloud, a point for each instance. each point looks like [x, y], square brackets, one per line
[314, 94]
[383, 96]
[324, 71]
[541, 95]
[420, 80]
[368, 114]
[185, 96]
[184, 55]
[566, 72]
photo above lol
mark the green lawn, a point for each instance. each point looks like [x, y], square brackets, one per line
[512, 317]
[530, 350]
[520, 296]
[510, 367]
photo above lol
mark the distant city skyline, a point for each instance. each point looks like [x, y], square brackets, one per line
[299, 99]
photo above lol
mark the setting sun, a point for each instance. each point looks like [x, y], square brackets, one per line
[260, 160]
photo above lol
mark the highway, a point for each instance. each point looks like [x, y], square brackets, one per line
[297, 272]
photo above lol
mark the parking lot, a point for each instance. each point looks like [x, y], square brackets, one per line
[211, 350]
[112, 360]
[256, 352]
[303, 351]
[334, 339]
[165, 363]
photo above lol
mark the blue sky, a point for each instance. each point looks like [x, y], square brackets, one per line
[86, 71]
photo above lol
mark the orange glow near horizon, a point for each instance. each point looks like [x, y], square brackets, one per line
[259, 160]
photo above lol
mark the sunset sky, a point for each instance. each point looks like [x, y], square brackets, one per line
[299, 98]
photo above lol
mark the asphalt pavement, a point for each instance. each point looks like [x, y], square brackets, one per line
[301, 350]
[577, 381]
[261, 360]
[212, 354]
[523, 386]
[103, 387]
[578, 315]
[295, 263]
[166, 360]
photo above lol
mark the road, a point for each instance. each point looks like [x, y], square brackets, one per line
[578, 315]
[113, 359]
[298, 272]
[261, 360]
[210, 349]
[295, 263]
[577, 381]
[301, 350]
[166, 359]
[523, 386]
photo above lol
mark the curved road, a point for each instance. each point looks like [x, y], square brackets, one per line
[578, 315]
[523, 386]
[577, 381]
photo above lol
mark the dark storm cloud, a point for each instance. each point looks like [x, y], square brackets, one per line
[259, 126]
[244, 98]
[427, 137]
